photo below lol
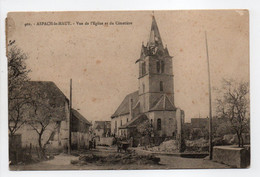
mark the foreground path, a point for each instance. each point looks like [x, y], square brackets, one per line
[62, 162]
[172, 162]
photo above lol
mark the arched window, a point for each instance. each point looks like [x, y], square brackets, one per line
[159, 124]
[158, 66]
[121, 122]
[152, 122]
[161, 86]
[143, 88]
[162, 66]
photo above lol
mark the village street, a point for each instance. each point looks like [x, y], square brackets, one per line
[63, 162]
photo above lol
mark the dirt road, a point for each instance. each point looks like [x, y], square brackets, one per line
[62, 162]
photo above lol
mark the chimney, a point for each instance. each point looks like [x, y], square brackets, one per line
[131, 108]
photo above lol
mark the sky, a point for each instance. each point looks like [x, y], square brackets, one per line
[101, 59]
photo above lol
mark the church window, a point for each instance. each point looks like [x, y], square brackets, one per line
[127, 120]
[161, 86]
[158, 66]
[143, 68]
[159, 124]
[173, 134]
[121, 122]
[152, 122]
[162, 66]
[143, 88]
[115, 126]
[144, 101]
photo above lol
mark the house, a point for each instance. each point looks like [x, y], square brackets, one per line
[199, 128]
[80, 135]
[45, 115]
[199, 123]
[47, 108]
[154, 99]
[102, 128]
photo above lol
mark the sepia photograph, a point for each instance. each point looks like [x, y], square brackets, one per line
[128, 90]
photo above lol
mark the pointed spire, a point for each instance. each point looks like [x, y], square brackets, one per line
[155, 38]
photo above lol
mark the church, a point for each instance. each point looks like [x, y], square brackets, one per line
[154, 99]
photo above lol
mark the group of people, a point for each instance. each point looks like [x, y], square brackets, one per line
[123, 143]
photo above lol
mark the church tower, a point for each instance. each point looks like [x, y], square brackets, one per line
[155, 72]
[154, 100]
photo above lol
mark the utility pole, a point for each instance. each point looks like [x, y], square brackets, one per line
[210, 108]
[70, 118]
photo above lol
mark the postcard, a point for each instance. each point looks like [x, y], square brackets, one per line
[113, 90]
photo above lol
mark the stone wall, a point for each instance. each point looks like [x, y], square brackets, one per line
[80, 140]
[105, 141]
[232, 156]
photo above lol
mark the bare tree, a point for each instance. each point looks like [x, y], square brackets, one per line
[18, 95]
[233, 104]
[44, 117]
[17, 113]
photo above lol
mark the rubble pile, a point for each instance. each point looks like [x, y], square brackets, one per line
[120, 158]
[199, 145]
[230, 139]
[166, 146]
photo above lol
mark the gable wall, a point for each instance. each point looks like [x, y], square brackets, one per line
[168, 122]
[115, 130]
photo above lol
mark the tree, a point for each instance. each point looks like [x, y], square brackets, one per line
[44, 116]
[145, 128]
[186, 130]
[224, 128]
[233, 104]
[18, 95]
[17, 111]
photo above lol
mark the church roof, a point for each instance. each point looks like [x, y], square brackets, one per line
[124, 106]
[163, 104]
[134, 122]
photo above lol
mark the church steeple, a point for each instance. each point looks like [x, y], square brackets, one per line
[155, 37]
[155, 71]
[154, 46]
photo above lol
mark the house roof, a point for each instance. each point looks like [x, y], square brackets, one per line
[102, 124]
[49, 94]
[46, 88]
[124, 106]
[163, 104]
[134, 122]
[80, 117]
